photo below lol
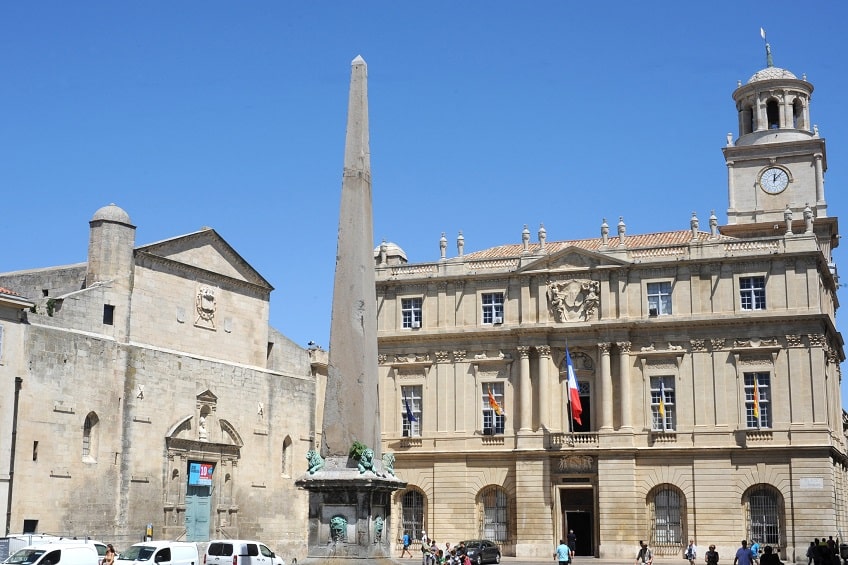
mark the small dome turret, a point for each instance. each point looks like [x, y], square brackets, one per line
[112, 213]
[395, 255]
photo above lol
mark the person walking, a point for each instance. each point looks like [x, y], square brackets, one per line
[691, 552]
[645, 555]
[572, 543]
[406, 543]
[744, 555]
[563, 553]
[711, 556]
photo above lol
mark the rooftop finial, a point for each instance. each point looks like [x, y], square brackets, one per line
[769, 60]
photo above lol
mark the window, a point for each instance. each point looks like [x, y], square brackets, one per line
[667, 526]
[659, 299]
[413, 513]
[773, 114]
[287, 457]
[89, 437]
[495, 515]
[757, 396]
[411, 310]
[108, 314]
[493, 408]
[493, 307]
[752, 293]
[763, 511]
[662, 404]
[411, 409]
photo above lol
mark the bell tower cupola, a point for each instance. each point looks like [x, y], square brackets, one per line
[778, 159]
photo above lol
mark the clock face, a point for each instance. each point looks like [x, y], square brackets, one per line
[774, 180]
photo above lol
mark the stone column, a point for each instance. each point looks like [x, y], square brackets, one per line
[544, 352]
[624, 383]
[819, 178]
[525, 415]
[606, 387]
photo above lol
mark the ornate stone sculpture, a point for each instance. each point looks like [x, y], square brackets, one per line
[206, 307]
[202, 432]
[338, 528]
[366, 461]
[389, 463]
[378, 529]
[316, 462]
[573, 300]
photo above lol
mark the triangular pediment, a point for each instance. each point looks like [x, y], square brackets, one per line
[572, 258]
[206, 250]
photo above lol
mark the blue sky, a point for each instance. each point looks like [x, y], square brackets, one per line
[485, 116]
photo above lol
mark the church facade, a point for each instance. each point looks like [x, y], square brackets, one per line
[145, 391]
[706, 361]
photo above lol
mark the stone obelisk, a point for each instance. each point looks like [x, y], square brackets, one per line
[350, 490]
[351, 406]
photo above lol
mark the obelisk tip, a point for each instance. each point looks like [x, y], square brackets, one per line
[358, 61]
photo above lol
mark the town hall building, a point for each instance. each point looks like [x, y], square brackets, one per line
[706, 359]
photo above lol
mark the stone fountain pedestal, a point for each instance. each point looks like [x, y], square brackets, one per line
[349, 512]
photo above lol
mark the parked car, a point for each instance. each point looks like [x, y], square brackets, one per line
[159, 552]
[481, 551]
[240, 552]
[54, 554]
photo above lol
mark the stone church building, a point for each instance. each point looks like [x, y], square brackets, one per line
[146, 393]
[707, 363]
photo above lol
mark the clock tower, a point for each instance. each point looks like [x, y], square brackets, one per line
[776, 166]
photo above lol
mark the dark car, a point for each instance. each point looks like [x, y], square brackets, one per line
[481, 551]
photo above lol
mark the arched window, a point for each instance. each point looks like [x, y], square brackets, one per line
[747, 124]
[89, 437]
[773, 114]
[413, 513]
[287, 457]
[798, 121]
[666, 509]
[495, 524]
[764, 508]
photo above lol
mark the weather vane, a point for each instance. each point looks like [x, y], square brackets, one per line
[769, 61]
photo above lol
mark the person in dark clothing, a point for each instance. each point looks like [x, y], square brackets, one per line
[711, 556]
[769, 557]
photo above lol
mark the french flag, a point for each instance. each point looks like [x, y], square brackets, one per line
[573, 391]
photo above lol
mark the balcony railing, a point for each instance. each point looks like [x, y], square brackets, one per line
[559, 440]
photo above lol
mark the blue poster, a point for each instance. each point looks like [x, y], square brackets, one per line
[200, 474]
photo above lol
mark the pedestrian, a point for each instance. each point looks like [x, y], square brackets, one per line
[811, 552]
[109, 558]
[406, 543]
[562, 553]
[755, 549]
[572, 542]
[744, 556]
[770, 558]
[645, 555]
[691, 552]
[711, 556]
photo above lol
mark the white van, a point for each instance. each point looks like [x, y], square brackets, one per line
[239, 552]
[55, 554]
[155, 552]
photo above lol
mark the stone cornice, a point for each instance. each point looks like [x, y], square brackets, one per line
[224, 280]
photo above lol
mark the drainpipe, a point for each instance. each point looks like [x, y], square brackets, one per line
[18, 382]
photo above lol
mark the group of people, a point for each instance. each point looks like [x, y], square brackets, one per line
[824, 552]
[565, 551]
[744, 555]
[432, 554]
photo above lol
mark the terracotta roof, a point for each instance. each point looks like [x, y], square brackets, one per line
[659, 239]
[9, 292]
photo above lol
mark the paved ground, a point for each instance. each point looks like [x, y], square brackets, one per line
[578, 561]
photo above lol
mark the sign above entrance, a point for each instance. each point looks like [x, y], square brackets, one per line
[200, 474]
